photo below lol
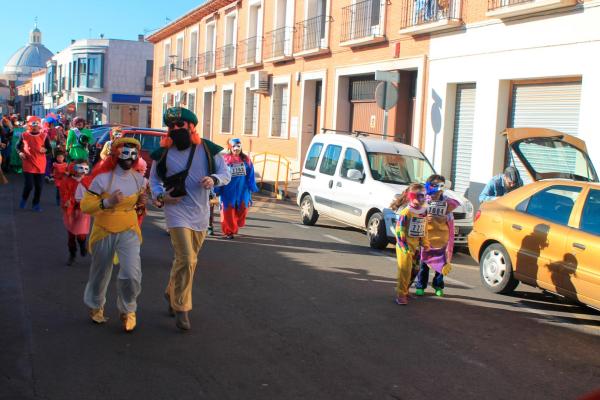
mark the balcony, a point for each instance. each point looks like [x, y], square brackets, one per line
[310, 37]
[249, 52]
[225, 58]
[190, 67]
[162, 74]
[206, 63]
[513, 8]
[176, 71]
[278, 45]
[425, 16]
[148, 83]
[363, 23]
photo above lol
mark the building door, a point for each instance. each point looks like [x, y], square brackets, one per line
[318, 97]
[365, 115]
[545, 105]
[462, 144]
[207, 115]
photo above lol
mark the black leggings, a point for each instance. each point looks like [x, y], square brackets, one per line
[33, 181]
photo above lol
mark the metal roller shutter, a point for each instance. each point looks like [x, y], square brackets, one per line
[547, 105]
[463, 137]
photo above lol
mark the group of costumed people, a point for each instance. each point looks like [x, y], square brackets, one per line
[424, 237]
[185, 171]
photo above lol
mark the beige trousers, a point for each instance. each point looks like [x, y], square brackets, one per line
[186, 245]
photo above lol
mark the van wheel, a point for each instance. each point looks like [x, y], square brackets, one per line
[496, 270]
[376, 231]
[307, 211]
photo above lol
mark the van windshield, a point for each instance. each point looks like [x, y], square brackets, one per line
[399, 169]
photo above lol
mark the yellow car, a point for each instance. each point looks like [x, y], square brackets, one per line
[546, 233]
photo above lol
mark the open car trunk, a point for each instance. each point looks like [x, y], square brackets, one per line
[550, 154]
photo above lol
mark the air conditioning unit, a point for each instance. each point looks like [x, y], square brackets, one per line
[259, 81]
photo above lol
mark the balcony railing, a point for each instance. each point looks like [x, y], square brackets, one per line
[362, 20]
[206, 63]
[162, 74]
[225, 57]
[278, 43]
[496, 4]
[310, 34]
[420, 12]
[190, 66]
[249, 51]
[176, 70]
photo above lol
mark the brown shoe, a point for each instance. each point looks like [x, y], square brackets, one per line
[128, 321]
[97, 315]
[182, 321]
[171, 311]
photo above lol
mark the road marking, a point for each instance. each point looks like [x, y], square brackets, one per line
[374, 253]
[457, 282]
[465, 267]
[337, 239]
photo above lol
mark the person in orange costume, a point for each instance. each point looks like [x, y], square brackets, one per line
[32, 150]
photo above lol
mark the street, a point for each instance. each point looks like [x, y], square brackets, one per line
[284, 311]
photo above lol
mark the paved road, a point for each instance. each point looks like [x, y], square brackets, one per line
[282, 312]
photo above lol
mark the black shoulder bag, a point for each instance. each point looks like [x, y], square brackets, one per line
[175, 182]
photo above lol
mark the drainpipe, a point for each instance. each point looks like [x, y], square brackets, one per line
[424, 105]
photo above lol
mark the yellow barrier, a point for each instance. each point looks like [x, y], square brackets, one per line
[280, 161]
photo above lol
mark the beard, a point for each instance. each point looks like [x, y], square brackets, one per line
[125, 164]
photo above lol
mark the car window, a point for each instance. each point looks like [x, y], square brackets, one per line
[313, 156]
[150, 142]
[554, 203]
[590, 222]
[352, 160]
[330, 159]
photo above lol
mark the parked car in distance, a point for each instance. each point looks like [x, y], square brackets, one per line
[547, 233]
[353, 179]
[149, 139]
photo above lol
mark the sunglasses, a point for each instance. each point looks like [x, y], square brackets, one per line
[128, 153]
[236, 146]
[172, 124]
[173, 118]
[34, 124]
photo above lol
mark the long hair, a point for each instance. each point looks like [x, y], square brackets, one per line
[402, 200]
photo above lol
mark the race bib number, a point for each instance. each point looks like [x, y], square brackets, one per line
[438, 208]
[238, 169]
[416, 228]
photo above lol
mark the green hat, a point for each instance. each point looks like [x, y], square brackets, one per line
[175, 114]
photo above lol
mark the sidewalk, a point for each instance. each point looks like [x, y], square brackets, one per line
[292, 189]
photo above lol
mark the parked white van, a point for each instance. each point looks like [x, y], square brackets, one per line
[353, 179]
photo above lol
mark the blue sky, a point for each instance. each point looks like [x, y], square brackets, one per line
[66, 20]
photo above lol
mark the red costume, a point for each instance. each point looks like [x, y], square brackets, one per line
[76, 222]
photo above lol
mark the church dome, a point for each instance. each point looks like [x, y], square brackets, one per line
[29, 58]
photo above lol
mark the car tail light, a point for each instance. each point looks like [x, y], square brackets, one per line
[477, 215]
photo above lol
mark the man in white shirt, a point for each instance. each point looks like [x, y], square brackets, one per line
[185, 169]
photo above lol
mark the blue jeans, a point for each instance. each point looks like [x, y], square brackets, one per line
[423, 277]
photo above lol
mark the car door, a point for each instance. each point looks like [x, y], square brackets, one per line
[324, 179]
[350, 195]
[546, 222]
[581, 278]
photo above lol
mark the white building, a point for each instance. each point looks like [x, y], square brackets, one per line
[102, 80]
[515, 71]
[38, 86]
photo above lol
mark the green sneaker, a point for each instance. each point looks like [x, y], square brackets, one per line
[420, 292]
[439, 292]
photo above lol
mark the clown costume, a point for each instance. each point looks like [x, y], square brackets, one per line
[236, 196]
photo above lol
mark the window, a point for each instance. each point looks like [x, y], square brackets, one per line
[330, 159]
[590, 222]
[165, 105]
[352, 160]
[313, 156]
[251, 113]
[193, 64]
[82, 72]
[191, 101]
[398, 169]
[227, 111]
[89, 71]
[279, 119]
[554, 204]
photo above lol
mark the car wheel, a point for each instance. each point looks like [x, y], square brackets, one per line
[496, 270]
[307, 211]
[376, 231]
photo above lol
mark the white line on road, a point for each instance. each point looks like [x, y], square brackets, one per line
[457, 282]
[337, 239]
[374, 253]
[301, 226]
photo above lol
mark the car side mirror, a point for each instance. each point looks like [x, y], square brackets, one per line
[355, 175]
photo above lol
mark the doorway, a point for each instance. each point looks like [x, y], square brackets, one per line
[207, 115]
[311, 114]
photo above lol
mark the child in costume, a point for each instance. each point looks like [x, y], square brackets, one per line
[32, 149]
[115, 133]
[410, 231]
[59, 171]
[72, 189]
[78, 141]
[439, 234]
[236, 196]
[117, 189]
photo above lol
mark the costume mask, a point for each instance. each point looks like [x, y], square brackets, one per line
[181, 138]
[127, 157]
[82, 169]
[433, 188]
